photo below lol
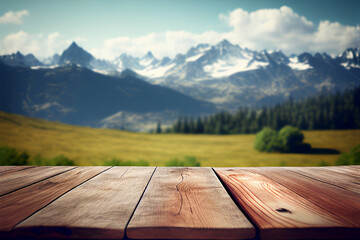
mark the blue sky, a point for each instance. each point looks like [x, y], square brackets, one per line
[169, 27]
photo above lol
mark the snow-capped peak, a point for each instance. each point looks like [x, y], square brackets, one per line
[350, 58]
[74, 45]
[279, 57]
[148, 59]
[298, 65]
[148, 55]
[224, 44]
[76, 55]
[201, 48]
[204, 61]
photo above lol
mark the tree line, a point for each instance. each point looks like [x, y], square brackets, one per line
[325, 111]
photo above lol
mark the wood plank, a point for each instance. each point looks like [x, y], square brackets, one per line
[343, 204]
[349, 170]
[279, 212]
[327, 175]
[9, 169]
[18, 205]
[98, 209]
[187, 203]
[351, 166]
[20, 179]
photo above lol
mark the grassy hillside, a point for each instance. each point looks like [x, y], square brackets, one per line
[89, 146]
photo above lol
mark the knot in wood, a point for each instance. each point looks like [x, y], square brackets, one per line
[283, 210]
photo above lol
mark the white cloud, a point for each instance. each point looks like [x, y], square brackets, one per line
[40, 45]
[261, 29]
[286, 30]
[334, 36]
[13, 17]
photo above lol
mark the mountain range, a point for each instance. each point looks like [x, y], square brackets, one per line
[222, 76]
[232, 77]
[76, 95]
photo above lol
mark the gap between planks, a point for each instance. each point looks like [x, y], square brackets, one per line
[98, 208]
[17, 206]
[187, 203]
[141, 197]
[21, 179]
[9, 169]
[241, 207]
[53, 200]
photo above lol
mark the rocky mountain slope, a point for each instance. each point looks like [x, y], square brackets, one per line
[76, 95]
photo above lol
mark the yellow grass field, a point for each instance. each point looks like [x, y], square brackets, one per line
[90, 146]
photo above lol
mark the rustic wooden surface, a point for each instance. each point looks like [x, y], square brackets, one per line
[287, 205]
[343, 204]
[9, 169]
[188, 203]
[99, 208]
[19, 179]
[18, 205]
[353, 171]
[337, 178]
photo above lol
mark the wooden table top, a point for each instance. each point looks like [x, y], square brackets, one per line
[180, 202]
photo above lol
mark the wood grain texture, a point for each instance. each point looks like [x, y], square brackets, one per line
[341, 203]
[353, 171]
[19, 179]
[279, 212]
[187, 203]
[328, 175]
[9, 169]
[98, 209]
[18, 205]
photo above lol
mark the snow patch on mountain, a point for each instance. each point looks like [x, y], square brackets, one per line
[296, 64]
[349, 66]
[194, 58]
[222, 68]
[45, 67]
[155, 71]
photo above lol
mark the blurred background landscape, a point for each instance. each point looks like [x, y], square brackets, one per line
[160, 83]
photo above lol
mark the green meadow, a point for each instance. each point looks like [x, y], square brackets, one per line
[91, 146]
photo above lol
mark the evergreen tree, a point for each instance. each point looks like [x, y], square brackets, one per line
[158, 128]
[199, 126]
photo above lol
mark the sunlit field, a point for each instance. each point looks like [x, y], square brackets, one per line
[89, 146]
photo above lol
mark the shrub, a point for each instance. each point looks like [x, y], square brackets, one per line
[350, 158]
[140, 162]
[60, 160]
[9, 156]
[323, 163]
[119, 162]
[267, 141]
[189, 161]
[38, 161]
[288, 139]
[173, 163]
